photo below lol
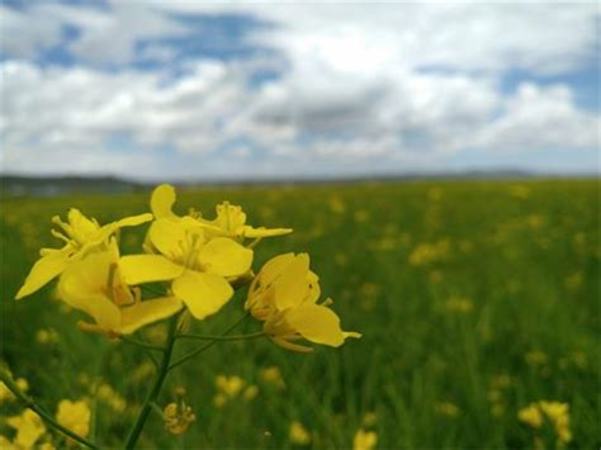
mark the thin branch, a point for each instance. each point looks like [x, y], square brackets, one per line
[29, 403]
[199, 350]
[237, 337]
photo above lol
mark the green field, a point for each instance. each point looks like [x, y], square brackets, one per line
[475, 299]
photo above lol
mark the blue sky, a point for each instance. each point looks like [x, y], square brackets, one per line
[169, 90]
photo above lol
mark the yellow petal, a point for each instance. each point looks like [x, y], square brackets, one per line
[250, 232]
[133, 221]
[167, 236]
[83, 286]
[225, 257]
[292, 286]
[162, 200]
[137, 269]
[203, 293]
[317, 324]
[43, 271]
[143, 313]
[275, 267]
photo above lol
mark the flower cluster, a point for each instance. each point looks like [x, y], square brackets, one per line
[556, 413]
[200, 262]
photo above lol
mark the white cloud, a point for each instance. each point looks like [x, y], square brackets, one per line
[351, 93]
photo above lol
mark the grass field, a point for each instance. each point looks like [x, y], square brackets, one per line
[475, 299]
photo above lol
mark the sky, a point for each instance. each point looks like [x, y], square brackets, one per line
[191, 90]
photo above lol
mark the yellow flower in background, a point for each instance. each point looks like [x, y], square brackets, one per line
[75, 416]
[284, 295]
[199, 268]
[81, 235]
[178, 417]
[365, 440]
[230, 386]
[447, 409]
[556, 413]
[272, 375]
[531, 416]
[298, 434]
[29, 427]
[7, 395]
[96, 286]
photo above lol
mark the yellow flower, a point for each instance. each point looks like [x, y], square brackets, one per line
[298, 434]
[96, 286]
[250, 392]
[531, 416]
[273, 376]
[75, 416]
[29, 428]
[198, 267]
[447, 409]
[230, 386]
[80, 235]
[365, 440]
[284, 295]
[178, 417]
[6, 394]
[556, 412]
[230, 220]
[112, 398]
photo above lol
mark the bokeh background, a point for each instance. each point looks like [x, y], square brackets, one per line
[439, 162]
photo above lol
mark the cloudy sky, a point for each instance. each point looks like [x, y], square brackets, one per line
[168, 89]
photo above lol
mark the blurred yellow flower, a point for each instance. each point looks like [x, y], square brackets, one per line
[447, 409]
[178, 417]
[424, 254]
[273, 376]
[298, 434]
[230, 386]
[46, 336]
[536, 358]
[250, 392]
[112, 398]
[96, 286]
[6, 394]
[284, 295]
[29, 427]
[556, 412]
[461, 305]
[75, 416]
[365, 440]
[81, 235]
[531, 416]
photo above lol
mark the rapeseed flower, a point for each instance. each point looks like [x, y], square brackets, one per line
[200, 268]
[178, 416]
[284, 296]
[7, 395]
[365, 440]
[95, 285]
[75, 416]
[298, 434]
[556, 413]
[81, 235]
[29, 427]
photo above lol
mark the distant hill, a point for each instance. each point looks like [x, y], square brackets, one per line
[15, 185]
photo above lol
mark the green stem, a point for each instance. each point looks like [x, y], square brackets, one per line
[237, 337]
[136, 429]
[29, 403]
[195, 352]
